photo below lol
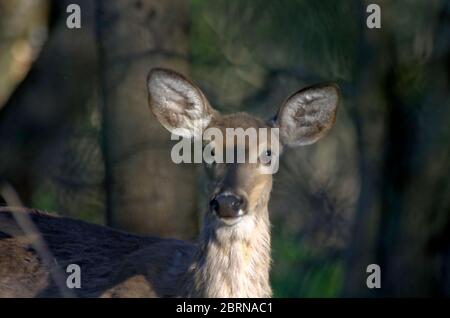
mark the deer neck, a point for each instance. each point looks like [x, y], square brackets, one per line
[234, 262]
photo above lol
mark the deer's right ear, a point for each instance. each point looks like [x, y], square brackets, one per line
[178, 104]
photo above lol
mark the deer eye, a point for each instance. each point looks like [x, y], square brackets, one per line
[266, 157]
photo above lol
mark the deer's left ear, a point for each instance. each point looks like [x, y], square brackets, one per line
[307, 115]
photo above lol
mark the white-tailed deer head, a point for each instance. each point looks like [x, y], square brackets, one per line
[238, 189]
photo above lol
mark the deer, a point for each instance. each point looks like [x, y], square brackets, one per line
[231, 257]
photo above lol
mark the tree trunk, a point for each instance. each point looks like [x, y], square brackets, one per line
[146, 192]
[41, 111]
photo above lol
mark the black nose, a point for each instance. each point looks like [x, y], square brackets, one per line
[228, 205]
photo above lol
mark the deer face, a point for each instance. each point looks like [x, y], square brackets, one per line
[239, 184]
[240, 157]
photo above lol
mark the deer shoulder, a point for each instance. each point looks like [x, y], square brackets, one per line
[113, 263]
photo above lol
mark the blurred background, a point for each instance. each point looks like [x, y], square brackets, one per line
[77, 137]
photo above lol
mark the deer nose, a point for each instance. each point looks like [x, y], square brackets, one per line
[228, 205]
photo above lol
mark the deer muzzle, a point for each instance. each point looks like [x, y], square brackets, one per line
[229, 205]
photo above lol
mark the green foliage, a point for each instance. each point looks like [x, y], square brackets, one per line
[49, 197]
[276, 34]
[300, 271]
[45, 199]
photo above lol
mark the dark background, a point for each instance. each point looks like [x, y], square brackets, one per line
[77, 137]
